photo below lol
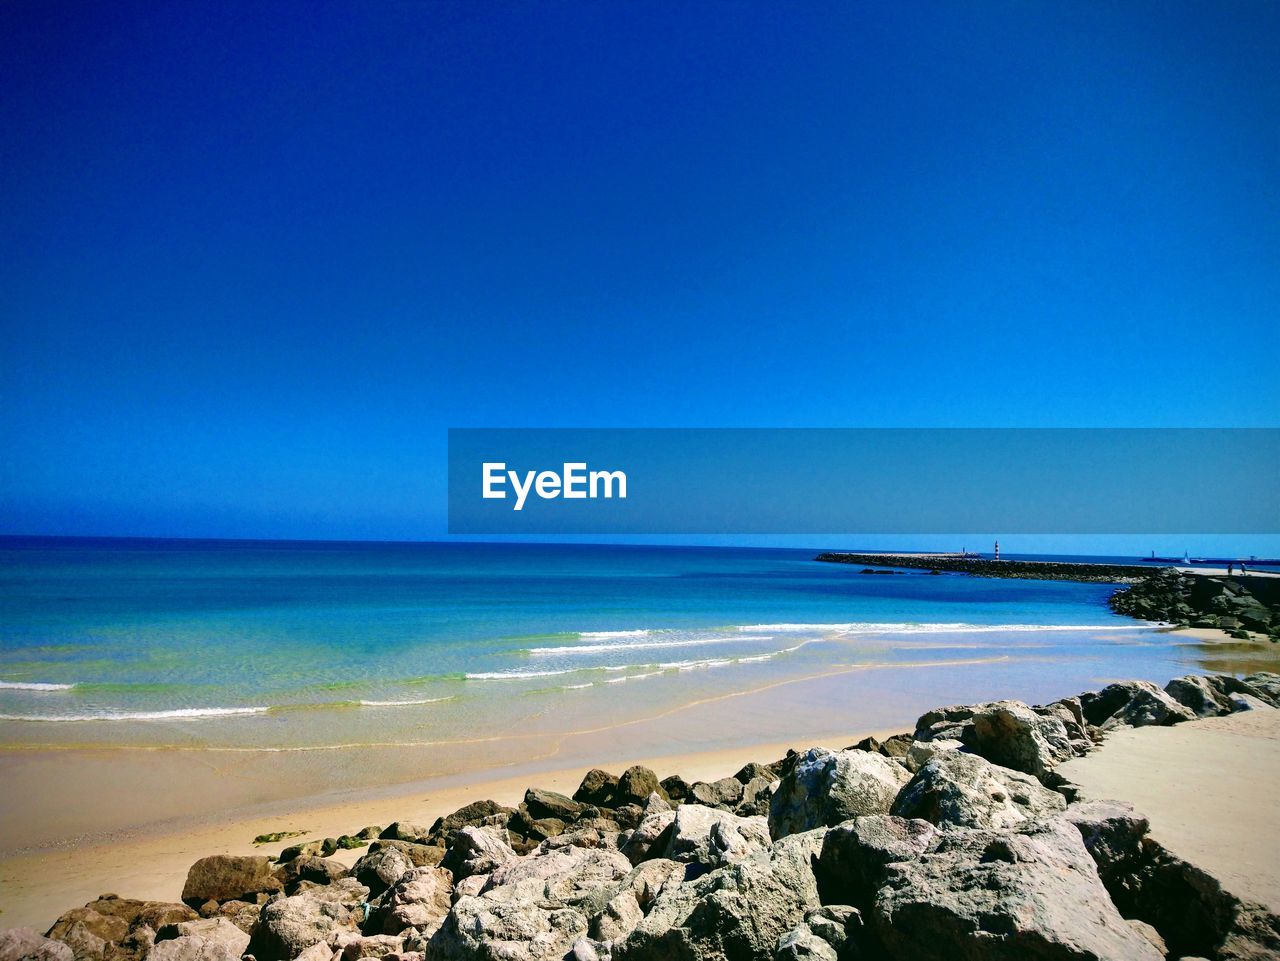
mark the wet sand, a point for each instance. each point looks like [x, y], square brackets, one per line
[1208, 788]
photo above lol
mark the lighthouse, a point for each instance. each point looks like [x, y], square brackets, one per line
[997, 550]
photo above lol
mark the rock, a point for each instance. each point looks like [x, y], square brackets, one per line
[896, 746]
[193, 948]
[1247, 702]
[210, 929]
[406, 831]
[470, 887]
[866, 744]
[1132, 704]
[725, 793]
[1266, 685]
[477, 851]
[1011, 734]
[1030, 893]
[598, 787]
[371, 946]
[311, 849]
[739, 912]
[475, 814]
[749, 772]
[88, 932]
[921, 753]
[549, 804]
[1151, 934]
[656, 804]
[418, 901]
[1199, 695]
[315, 870]
[24, 944]
[290, 925]
[825, 788]
[618, 919]
[964, 790]
[676, 787]
[533, 909]
[826, 934]
[756, 797]
[1112, 832]
[381, 868]
[635, 785]
[856, 854]
[710, 838]
[226, 877]
[650, 832]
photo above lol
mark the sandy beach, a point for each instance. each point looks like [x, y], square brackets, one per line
[1208, 788]
[37, 887]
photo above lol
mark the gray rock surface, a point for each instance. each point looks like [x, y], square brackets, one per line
[226, 877]
[1030, 893]
[418, 901]
[290, 925]
[955, 789]
[24, 944]
[824, 788]
[737, 913]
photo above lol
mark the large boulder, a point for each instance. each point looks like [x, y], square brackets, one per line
[598, 788]
[290, 925]
[828, 933]
[477, 851]
[994, 895]
[955, 789]
[533, 908]
[736, 913]
[635, 785]
[24, 944]
[1132, 704]
[650, 832]
[1198, 694]
[115, 929]
[710, 838]
[381, 868]
[210, 929]
[418, 901]
[310, 869]
[192, 948]
[725, 793]
[550, 804]
[856, 855]
[1265, 685]
[1011, 734]
[825, 787]
[228, 877]
[474, 815]
[205, 939]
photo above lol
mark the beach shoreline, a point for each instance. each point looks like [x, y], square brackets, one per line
[40, 884]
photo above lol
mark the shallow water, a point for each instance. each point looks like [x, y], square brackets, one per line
[288, 646]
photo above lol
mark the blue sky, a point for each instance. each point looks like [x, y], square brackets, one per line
[257, 258]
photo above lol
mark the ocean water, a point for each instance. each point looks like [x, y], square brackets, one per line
[309, 646]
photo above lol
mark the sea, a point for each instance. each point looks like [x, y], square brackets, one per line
[274, 646]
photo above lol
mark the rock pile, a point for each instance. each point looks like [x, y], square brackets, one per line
[956, 841]
[1198, 600]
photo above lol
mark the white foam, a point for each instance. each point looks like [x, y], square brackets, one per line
[644, 645]
[33, 686]
[875, 627]
[425, 700]
[186, 713]
[576, 687]
[640, 633]
[514, 675]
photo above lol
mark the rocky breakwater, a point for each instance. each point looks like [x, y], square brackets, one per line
[985, 567]
[957, 840]
[1242, 606]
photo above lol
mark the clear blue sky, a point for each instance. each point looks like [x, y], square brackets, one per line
[256, 258]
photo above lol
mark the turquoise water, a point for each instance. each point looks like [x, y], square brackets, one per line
[138, 639]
